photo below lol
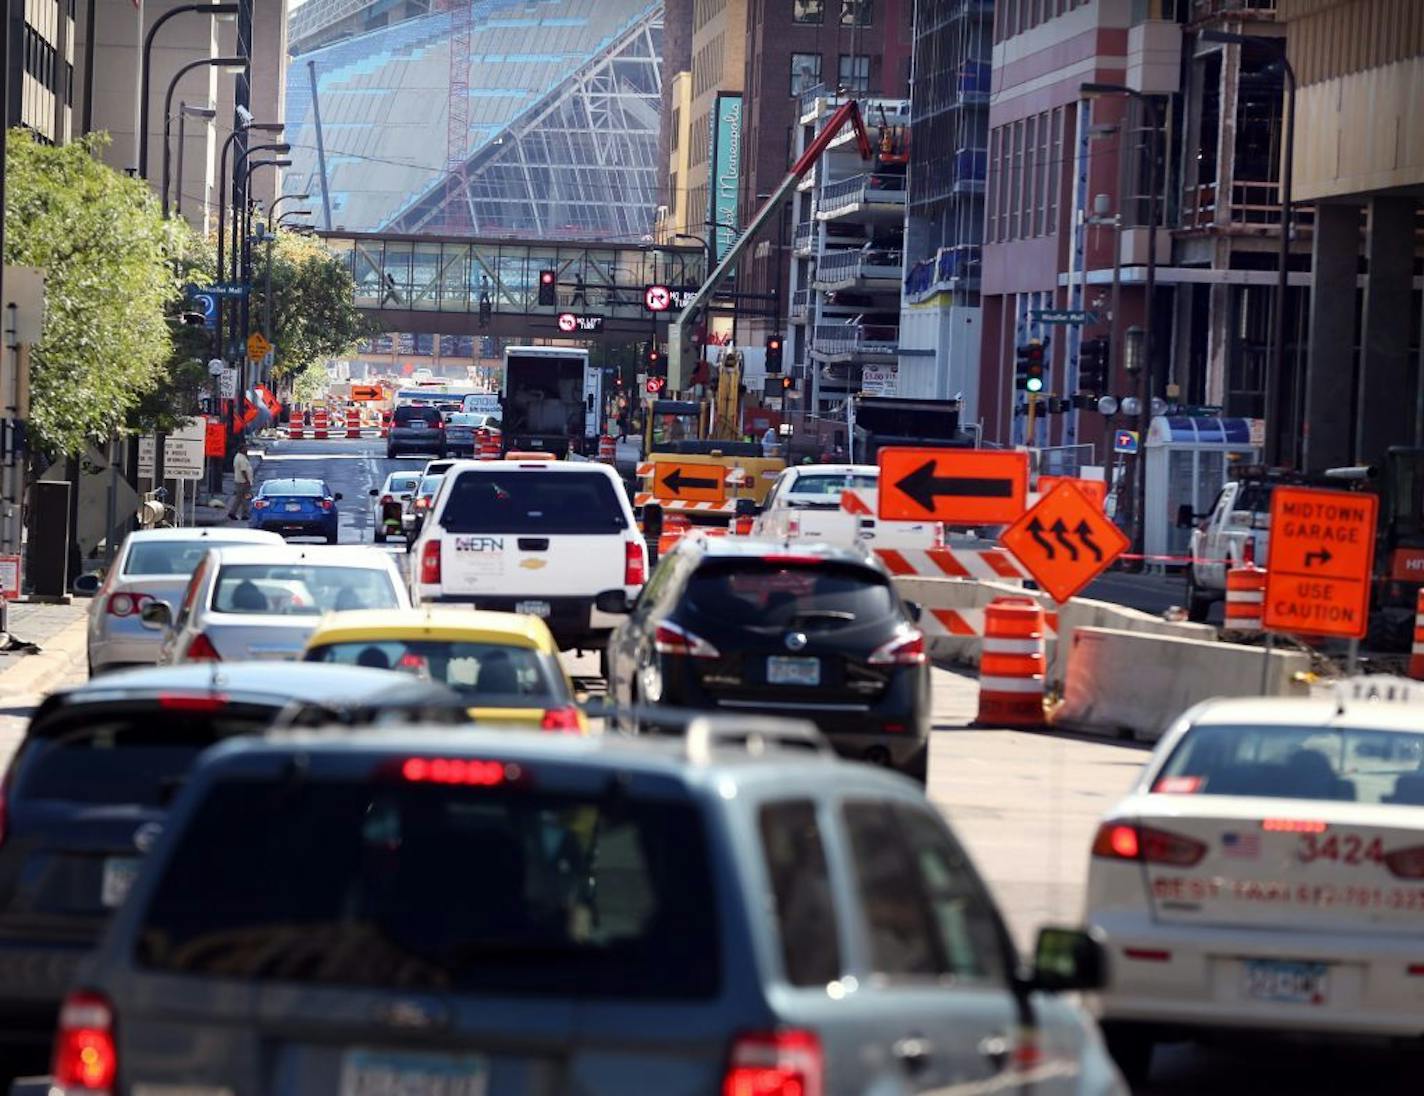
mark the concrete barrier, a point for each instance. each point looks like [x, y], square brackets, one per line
[1126, 682]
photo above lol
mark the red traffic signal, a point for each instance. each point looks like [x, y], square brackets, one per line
[548, 283]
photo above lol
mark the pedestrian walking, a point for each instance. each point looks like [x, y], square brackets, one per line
[241, 485]
[769, 442]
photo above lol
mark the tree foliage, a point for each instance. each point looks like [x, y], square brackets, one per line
[106, 254]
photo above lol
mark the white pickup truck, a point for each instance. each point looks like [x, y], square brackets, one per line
[1231, 534]
[805, 504]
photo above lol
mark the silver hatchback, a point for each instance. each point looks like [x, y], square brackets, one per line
[152, 565]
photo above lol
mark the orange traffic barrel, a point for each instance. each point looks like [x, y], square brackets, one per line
[319, 426]
[385, 424]
[353, 422]
[488, 444]
[1416, 652]
[607, 449]
[1011, 665]
[1245, 600]
[295, 422]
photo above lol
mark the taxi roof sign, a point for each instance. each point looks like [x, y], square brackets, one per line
[956, 486]
[1321, 554]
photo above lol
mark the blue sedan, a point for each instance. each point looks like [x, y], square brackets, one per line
[296, 508]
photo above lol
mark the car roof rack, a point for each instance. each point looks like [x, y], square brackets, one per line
[753, 735]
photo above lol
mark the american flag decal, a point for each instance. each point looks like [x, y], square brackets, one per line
[1241, 846]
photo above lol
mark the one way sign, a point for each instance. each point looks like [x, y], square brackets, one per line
[1065, 541]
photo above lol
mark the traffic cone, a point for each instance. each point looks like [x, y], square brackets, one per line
[1011, 666]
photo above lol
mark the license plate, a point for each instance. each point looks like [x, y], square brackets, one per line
[533, 608]
[1294, 983]
[293, 507]
[118, 877]
[781, 670]
[395, 1073]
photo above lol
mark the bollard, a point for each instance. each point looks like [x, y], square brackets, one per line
[1011, 665]
[1245, 600]
[1416, 651]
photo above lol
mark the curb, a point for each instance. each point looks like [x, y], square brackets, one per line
[58, 657]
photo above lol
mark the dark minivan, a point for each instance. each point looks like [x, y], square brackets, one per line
[416, 429]
[811, 631]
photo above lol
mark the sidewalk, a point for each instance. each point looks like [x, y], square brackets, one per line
[61, 634]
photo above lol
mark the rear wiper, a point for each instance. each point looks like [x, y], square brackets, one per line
[823, 614]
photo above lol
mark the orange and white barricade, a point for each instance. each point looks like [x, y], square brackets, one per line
[607, 449]
[1011, 667]
[319, 424]
[1245, 600]
[296, 420]
[353, 422]
[385, 424]
[487, 444]
[1416, 652]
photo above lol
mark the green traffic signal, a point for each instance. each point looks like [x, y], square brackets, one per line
[1034, 384]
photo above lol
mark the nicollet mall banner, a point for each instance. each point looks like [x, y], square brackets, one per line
[726, 160]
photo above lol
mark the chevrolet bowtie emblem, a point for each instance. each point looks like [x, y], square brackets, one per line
[532, 564]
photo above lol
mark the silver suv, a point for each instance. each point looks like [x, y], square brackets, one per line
[502, 912]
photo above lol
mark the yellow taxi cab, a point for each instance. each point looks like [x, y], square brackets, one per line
[506, 663]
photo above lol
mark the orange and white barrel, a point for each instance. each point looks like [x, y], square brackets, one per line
[296, 419]
[319, 424]
[385, 424]
[1245, 600]
[353, 422]
[607, 449]
[1416, 652]
[1011, 665]
[488, 445]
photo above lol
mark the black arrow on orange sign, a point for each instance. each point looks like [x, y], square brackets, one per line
[675, 481]
[1085, 534]
[1035, 530]
[924, 486]
[1060, 533]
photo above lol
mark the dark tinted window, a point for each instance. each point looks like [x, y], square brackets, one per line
[775, 594]
[801, 888]
[902, 936]
[534, 502]
[407, 415]
[140, 758]
[433, 886]
[400, 484]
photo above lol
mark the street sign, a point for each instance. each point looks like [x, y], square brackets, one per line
[216, 366]
[573, 322]
[184, 451]
[366, 393]
[215, 437]
[657, 298]
[207, 303]
[1319, 562]
[1073, 317]
[1065, 541]
[682, 481]
[1125, 441]
[227, 384]
[957, 486]
[10, 577]
[654, 385]
[225, 290]
[257, 346]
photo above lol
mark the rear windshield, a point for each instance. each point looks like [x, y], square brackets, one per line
[466, 420]
[288, 589]
[406, 415]
[306, 488]
[403, 483]
[429, 485]
[829, 485]
[1353, 766]
[767, 593]
[140, 758]
[479, 669]
[167, 557]
[439, 887]
[534, 502]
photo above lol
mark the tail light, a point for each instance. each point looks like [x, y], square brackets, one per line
[743, 526]
[635, 564]
[326, 504]
[1248, 551]
[674, 639]
[260, 504]
[126, 605]
[386, 500]
[430, 563]
[1126, 841]
[85, 1057]
[561, 719]
[423, 503]
[440, 424]
[906, 649]
[793, 525]
[775, 1063]
[201, 649]
[1406, 863]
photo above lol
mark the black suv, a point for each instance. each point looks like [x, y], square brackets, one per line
[813, 631]
[416, 429]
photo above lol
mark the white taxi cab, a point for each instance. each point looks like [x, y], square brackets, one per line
[1267, 873]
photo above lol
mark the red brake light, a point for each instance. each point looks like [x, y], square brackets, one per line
[126, 605]
[423, 502]
[1248, 551]
[791, 557]
[635, 564]
[85, 1057]
[674, 639]
[1125, 841]
[177, 702]
[775, 1063]
[326, 504]
[201, 649]
[561, 719]
[430, 563]
[260, 504]
[457, 770]
[907, 649]
[386, 500]
[1406, 863]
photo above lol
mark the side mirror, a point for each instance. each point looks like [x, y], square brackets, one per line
[373, 492]
[613, 601]
[1186, 516]
[87, 585]
[156, 614]
[746, 508]
[337, 496]
[915, 609]
[1067, 960]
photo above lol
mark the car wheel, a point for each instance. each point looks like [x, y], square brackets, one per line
[918, 767]
[1131, 1048]
[331, 538]
[379, 536]
[1198, 604]
[391, 453]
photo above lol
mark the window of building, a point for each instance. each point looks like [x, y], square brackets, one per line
[1048, 171]
[855, 13]
[1030, 176]
[805, 72]
[676, 127]
[853, 74]
[807, 11]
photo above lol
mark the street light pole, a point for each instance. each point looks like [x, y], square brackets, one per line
[146, 69]
[227, 64]
[1145, 377]
[184, 110]
[247, 246]
[272, 210]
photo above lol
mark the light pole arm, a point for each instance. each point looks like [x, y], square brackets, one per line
[202, 62]
[147, 69]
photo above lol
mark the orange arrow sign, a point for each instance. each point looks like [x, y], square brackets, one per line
[1065, 541]
[957, 486]
[684, 481]
[1321, 555]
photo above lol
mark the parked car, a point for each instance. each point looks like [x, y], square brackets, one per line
[505, 664]
[732, 624]
[297, 508]
[388, 507]
[152, 564]
[416, 429]
[460, 428]
[262, 603]
[85, 796]
[503, 912]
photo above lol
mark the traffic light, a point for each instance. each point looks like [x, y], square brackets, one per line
[548, 284]
[773, 354]
[1028, 367]
[788, 383]
[1093, 366]
[656, 365]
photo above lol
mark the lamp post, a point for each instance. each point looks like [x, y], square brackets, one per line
[224, 11]
[260, 127]
[272, 210]
[1145, 378]
[1277, 429]
[282, 220]
[184, 112]
[246, 276]
[228, 65]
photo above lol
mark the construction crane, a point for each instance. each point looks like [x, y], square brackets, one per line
[457, 125]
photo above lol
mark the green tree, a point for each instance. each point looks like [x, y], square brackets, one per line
[106, 254]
